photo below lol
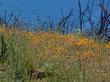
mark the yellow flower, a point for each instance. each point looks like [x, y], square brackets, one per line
[88, 53]
[108, 45]
[70, 39]
[83, 42]
[85, 53]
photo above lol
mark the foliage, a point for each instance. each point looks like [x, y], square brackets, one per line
[67, 58]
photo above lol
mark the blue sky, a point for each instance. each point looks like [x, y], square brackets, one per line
[30, 9]
[43, 8]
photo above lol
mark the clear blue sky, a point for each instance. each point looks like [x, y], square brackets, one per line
[31, 8]
[43, 8]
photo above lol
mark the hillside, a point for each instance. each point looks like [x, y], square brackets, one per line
[67, 58]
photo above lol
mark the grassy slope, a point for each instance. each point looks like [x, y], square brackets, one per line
[67, 57]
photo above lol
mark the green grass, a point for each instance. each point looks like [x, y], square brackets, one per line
[21, 56]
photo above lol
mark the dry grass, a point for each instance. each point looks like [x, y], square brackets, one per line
[68, 58]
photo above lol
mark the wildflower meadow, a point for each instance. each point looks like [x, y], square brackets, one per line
[27, 56]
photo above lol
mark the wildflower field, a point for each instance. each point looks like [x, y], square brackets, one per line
[67, 58]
